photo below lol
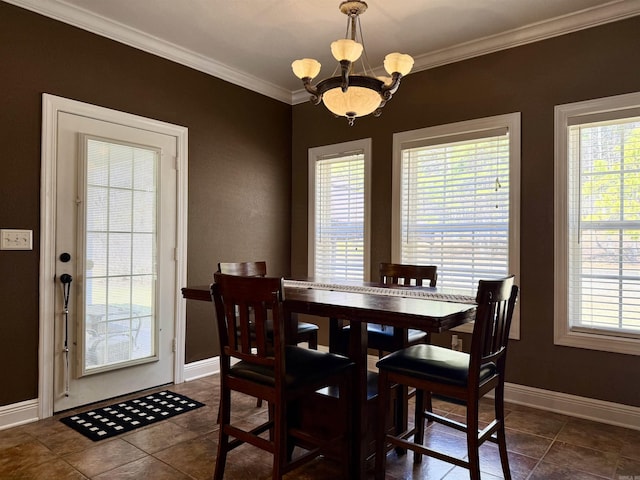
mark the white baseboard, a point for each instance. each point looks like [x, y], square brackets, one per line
[26, 412]
[574, 406]
[564, 403]
[18, 414]
[201, 368]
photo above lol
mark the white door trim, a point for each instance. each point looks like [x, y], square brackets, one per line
[51, 106]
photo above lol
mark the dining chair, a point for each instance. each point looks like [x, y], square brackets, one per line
[307, 332]
[265, 367]
[384, 338]
[461, 377]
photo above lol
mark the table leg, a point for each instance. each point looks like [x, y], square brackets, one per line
[401, 337]
[336, 336]
[358, 353]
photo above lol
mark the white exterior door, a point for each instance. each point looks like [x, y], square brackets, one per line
[116, 284]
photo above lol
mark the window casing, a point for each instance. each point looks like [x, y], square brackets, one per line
[597, 224]
[456, 201]
[339, 199]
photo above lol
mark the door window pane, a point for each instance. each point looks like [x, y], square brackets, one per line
[120, 254]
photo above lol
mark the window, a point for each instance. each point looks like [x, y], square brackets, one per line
[339, 211]
[597, 224]
[456, 200]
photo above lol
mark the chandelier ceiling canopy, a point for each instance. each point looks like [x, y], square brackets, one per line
[349, 94]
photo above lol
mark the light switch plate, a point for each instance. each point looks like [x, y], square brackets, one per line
[11, 239]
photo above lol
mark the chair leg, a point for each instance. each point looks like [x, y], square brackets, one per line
[313, 340]
[428, 403]
[224, 417]
[501, 434]
[272, 413]
[293, 414]
[502, 447]
[346, 394]
[221, 459]
[381, 441]
[402, 406]
[473, 445]
[418, 436]
[280, 454]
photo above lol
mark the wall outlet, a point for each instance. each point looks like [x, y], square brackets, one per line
[11, 239]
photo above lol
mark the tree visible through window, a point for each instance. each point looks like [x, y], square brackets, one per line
[597, 264]
[604, 255]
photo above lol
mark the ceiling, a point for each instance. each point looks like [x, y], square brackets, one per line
[253, 42]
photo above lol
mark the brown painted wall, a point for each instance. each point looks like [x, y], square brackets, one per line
[239, 167]
[240, 153]
[531, 79]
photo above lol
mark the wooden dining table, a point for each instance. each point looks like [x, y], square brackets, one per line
[435, 312]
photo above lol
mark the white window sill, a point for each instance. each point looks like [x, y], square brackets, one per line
[598, 341]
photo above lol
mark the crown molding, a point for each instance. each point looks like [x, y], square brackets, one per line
[134, 38]
[581, 20]
[607, 13]
[610, 12]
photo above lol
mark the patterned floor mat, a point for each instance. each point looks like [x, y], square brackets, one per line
[121, 417]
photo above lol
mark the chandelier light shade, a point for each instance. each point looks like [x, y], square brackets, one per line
[349, 94]
[306, 68]
[346, 49]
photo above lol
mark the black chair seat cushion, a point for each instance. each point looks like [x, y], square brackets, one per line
[304, 327]
[383, 335]
[303, 366]
[432, 363]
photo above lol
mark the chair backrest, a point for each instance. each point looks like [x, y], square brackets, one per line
[402, 274]
[496, 301]
[243, 305]
[245, 269]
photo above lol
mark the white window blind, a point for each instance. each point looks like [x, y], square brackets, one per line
[455, 207]
[604, 225]
[339, 197]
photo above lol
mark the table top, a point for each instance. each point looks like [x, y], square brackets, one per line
[406, 312]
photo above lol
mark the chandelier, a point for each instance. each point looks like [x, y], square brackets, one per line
[348, 94]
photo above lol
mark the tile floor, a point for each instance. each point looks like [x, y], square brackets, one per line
[542, 446]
